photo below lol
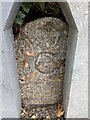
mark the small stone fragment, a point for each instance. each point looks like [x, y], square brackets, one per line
[47, 117]
[34, 117]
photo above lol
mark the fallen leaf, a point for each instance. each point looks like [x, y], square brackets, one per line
[25, 63]
[59, 113]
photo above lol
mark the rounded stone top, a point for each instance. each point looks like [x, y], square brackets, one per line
[50, 23]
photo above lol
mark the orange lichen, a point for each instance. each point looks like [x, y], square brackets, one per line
[25, 63]
[28, 53]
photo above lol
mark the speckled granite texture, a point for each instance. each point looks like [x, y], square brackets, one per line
[40, 59]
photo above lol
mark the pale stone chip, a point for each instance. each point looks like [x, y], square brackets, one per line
[34, 117]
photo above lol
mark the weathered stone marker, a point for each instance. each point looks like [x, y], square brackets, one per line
[41, 58]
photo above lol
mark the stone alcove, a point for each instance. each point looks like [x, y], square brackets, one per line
[11, 99]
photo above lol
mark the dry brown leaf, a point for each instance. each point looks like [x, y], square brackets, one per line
[59, 113]
[25, 63]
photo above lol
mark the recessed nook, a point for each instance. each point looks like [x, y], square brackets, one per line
[8, 20]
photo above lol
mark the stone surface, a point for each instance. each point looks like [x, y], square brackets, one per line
[40, 50]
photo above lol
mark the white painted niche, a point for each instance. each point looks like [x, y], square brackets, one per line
[11, 100]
